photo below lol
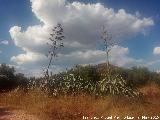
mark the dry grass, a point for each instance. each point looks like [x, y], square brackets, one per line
[75, 107]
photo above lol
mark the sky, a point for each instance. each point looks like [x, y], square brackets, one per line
[25, 26]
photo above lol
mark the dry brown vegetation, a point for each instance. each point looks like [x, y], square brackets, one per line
[75, 107]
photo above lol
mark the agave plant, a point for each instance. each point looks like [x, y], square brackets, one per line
[31, 84]
[72, 83]
[113, 83]
[116, 85]
[55, 43]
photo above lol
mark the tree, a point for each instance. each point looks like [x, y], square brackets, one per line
[7, 77]
[22, 81]
[138, 76]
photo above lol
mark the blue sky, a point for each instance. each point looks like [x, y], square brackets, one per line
[13, 12]
[138, 46]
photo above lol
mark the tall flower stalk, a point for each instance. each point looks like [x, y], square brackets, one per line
[55, 43]
[112, 83]
[108, 44]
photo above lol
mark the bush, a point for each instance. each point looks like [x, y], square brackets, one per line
[9, 80]
[7, 77]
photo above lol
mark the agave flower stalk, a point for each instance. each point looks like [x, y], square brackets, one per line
[113, 83]
[55, 43]
[108, 44]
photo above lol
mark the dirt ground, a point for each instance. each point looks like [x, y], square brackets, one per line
[14, 114]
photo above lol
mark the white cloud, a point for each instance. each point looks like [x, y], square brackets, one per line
[5, 42]
[120, 57]
[27, 58]
[156, 50]
[152, 62]
[82, 25]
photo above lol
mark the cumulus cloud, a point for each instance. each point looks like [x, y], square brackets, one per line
[82, 25]
[5, 42]
[120, 57]
[27, 58]
[156, 50]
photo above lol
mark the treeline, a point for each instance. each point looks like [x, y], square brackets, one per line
[9, 79]
[86, 76]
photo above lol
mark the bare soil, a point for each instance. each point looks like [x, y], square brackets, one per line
[15, 114]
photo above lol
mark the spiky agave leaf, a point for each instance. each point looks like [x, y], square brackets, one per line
[116, 85]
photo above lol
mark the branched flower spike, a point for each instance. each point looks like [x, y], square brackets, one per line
[113, 84]
[55, 43]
